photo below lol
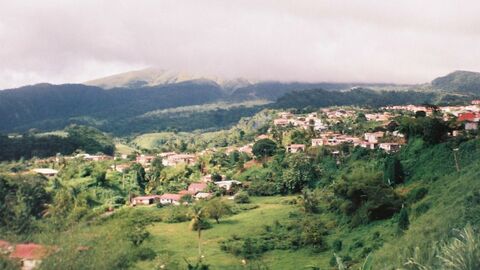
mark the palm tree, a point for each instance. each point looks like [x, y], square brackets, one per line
[198, 218]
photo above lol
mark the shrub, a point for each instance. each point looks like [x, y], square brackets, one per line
[119, 200]
[8, 264]
[461, 252]
[403, 220]
[144, 254]
[137, 234]
[262, 188]
[422, 208]
[242, 197]
[337, 245]
[416, 195]
[472, 208]
[175, 214]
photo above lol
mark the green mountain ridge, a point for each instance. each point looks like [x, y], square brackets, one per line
[50, 107]
[460, 81]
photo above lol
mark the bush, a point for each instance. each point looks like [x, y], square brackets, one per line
[472, 208]
[7, 264]
[416, 195]
[403, 220]
[119, 200]
[337, 245]
[242, 197]
[175, 214]
[422, 208]
[143, 254]
[262, 188]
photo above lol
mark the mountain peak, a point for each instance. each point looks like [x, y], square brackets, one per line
[155, 76]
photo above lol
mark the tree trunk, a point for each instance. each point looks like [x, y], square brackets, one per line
[199, 241]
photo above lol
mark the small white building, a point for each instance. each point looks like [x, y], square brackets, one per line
[227, 184]
[145, 200]
[295, 148]
[389, 147]
[46, 172]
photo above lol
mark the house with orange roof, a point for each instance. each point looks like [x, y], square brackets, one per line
[30, 255]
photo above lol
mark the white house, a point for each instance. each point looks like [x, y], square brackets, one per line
[46, 172]
[227, 184]
[294, 148]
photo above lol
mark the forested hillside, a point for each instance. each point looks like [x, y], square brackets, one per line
[50, 107]
[459, 81]
[364, 97]
[80, 138]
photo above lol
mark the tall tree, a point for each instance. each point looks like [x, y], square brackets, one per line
[299, 174]
[264, 148]
[139, 173]
[393, 171]
[217, 208]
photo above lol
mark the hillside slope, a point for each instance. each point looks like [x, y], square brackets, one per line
[459, 81]
[363, 97]
[47, 106]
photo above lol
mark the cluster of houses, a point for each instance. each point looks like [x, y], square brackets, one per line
[198, 191]
[168, 159]
[468, 115]
[370, 140]
[310, 121]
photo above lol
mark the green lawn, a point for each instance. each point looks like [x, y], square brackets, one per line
[174, 242]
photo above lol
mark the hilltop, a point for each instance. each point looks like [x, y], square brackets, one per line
[460, 81]
[156, 76]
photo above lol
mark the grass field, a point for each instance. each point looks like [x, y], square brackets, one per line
[174, 242]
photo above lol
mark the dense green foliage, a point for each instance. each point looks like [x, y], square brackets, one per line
[264, 148]
[23, 199]
[87, 139]
[360, 97]
[50, 107]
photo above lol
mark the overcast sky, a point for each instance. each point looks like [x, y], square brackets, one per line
[362, 41]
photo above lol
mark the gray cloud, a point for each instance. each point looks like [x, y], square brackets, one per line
[376, 41]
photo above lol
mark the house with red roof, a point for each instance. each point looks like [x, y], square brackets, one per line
[467, 116]
[197, 187]
[186, 192]
[30, 255]
[145, 160]
[169, 198]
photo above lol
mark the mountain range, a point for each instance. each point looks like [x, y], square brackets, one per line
[120, 102]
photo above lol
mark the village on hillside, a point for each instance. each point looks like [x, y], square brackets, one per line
[328, 128]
